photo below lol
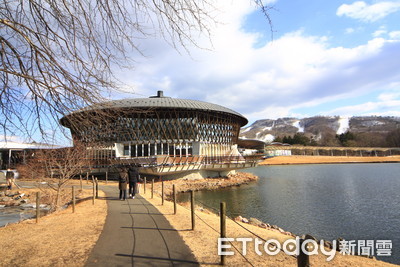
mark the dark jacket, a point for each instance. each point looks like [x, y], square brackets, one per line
[9, 175]
[133, 175]
[123, 180]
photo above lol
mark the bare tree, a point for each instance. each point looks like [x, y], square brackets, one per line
[59, 166]
[393, 138]
[57, 56]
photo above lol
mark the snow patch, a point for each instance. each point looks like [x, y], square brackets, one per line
[297, 125]
[343, 125]
[268, 138]
[247, 129]
[269, 128]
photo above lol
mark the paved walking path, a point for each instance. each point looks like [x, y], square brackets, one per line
[137, 234]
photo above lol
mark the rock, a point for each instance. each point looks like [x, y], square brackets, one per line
[239, 218]
[281, 230]
[255, 221]
[28, 206]
[310, 237]
[33, 206]
[18, 197]
[274, 227]
[2, 206]
[47, 207]
[245, 220]
[263, 225]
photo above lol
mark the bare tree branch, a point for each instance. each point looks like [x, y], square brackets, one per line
[58, 56]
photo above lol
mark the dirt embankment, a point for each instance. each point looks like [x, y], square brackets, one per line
[185, 185]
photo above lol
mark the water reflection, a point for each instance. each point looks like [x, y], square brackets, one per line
[354, 201]
[17, 214]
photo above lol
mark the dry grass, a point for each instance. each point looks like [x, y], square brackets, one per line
[62, 238]
[282, 160]
[203, 240]
[65, 239]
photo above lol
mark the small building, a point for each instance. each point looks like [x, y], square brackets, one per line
[162, 135]
[278, 149]
[251, 146]
[15, 153]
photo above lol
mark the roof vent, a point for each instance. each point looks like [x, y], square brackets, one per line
[160, 94]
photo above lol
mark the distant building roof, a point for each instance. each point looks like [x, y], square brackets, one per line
[251, 143]
[18, 145]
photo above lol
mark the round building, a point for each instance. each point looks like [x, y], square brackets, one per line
[161, 134]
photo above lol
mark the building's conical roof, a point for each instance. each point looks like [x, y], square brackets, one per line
[160, 101]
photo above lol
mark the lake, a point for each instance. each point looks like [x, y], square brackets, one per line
[352, 201]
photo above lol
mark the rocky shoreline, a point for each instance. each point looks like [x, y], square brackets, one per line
[257, 222]
[186, 185]
[20, 198]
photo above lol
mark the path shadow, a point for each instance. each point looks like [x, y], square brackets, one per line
[139, 213]
[162, 229]
[172, 261]
[133, 204]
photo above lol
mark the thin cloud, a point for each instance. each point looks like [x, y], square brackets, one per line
[395, 35]
[381, 31]
[368, 13]
[279, 79]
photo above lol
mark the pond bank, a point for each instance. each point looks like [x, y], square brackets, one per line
[286, 160]
[186, 185]
[203, 240]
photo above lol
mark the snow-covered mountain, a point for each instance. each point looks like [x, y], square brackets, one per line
[318, 127]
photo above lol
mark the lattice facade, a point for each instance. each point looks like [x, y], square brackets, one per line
[157, 126]
[146, 129]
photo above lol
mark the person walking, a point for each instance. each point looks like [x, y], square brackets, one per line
[123, 183]
[9, 178]
[133, 180]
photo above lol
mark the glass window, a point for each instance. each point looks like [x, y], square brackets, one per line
[159, 149]
[152, 149]
[133, 150]
[139, 151]
[126, 150]
[171, 150]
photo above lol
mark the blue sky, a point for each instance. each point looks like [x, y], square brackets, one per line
[325, 58]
